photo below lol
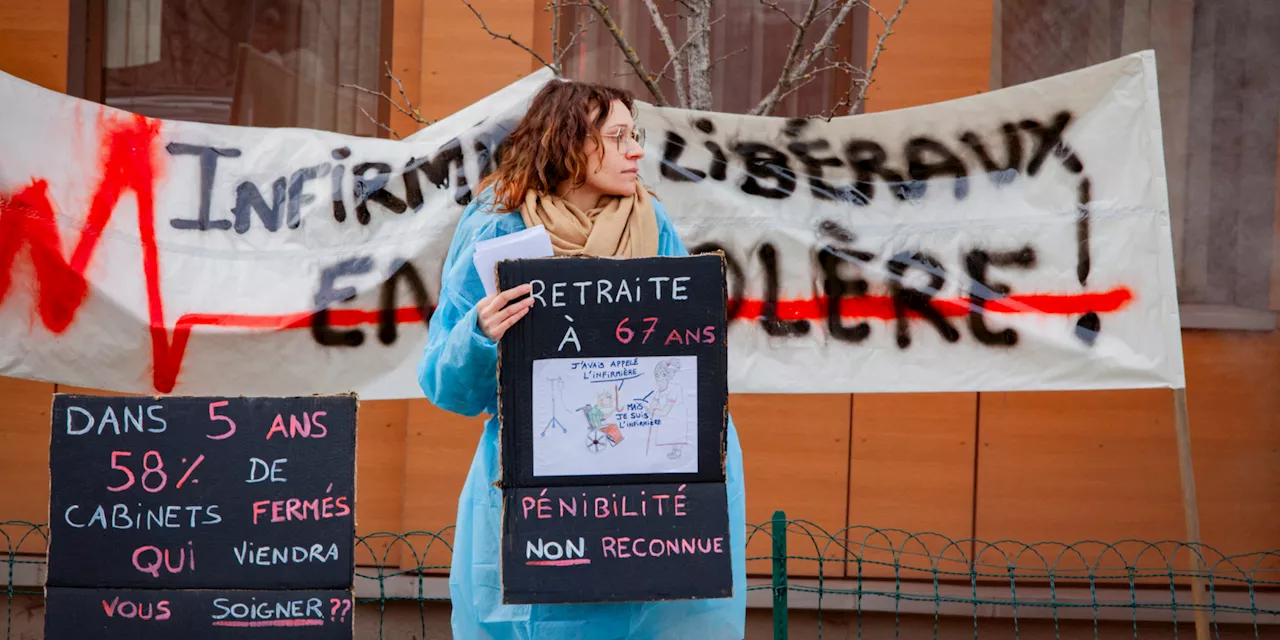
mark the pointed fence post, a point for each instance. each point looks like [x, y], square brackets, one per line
[779, 575]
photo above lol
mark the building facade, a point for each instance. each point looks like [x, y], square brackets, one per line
[991, 466]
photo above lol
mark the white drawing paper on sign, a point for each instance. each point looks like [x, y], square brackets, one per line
[597, 416]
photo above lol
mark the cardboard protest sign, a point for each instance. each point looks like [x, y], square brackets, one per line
[613, 348]
[1013, 240]
[198, 493]
[614, 424]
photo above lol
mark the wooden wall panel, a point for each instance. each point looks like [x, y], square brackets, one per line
[461, 63]
[439, 447]
[1103, 465]
[795, 451]
[24, 454]
[1233, 398]
[1071, 466]
[406, 61]
[380, 435]
[911, 470]
[33, 41]
[541, 41]
[939, 50]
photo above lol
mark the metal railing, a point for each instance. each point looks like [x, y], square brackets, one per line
[869, 578]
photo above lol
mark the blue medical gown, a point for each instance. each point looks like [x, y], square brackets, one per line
[458, 373]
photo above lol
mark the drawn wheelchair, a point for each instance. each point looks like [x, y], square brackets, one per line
[599, 433]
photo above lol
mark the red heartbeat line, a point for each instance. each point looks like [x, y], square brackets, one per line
[130, 162]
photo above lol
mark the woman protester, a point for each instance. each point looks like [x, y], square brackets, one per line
[571, 165]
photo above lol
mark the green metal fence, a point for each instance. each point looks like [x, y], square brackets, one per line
[869, 582]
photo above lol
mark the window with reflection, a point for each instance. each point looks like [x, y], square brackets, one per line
[262, 63]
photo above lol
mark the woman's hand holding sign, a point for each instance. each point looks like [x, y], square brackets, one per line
[497, 313]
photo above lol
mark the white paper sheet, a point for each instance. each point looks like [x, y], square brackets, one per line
[530, 243]
[594, 416]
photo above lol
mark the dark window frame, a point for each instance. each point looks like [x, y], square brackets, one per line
[86, 73]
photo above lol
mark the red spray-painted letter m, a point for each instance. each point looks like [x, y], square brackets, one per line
[128, 158]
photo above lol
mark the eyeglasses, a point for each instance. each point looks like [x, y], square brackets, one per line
[621, 134]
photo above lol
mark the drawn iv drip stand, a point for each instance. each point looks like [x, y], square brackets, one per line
[557, 388]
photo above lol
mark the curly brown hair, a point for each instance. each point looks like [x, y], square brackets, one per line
[547, 147]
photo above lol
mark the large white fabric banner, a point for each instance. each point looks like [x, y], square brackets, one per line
[1018, 239]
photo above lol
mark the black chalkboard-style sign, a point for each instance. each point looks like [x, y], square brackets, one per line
[613, 395]
[203, 493]
[617, 374]
[616, 544]
[158, 614]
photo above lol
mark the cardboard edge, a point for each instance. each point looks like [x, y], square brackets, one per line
[355, 481]
[724, 355]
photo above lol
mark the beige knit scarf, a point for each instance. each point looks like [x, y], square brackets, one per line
[617, 227]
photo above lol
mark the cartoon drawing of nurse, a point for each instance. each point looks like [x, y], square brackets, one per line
[667, 406]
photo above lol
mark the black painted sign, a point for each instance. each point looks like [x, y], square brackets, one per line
[206, 493]
[618, 372]
[616, 543]
[613, 393]
[159, 614]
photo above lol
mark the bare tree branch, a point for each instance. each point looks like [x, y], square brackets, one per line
[508, 38]
[793, 70]
[572, 39]
[875, 56]
[727, 56]
[661, 26]
[684, 46]
[878, 14]
[692, 59]
[699, 54]
[830, 33]
[379, 124]
[414, 114]
[770, 101]
[555, 33]
[649, 80]
[772, 4]
[813, 74]
[413, 111]
[828, 115]
[834, 3]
